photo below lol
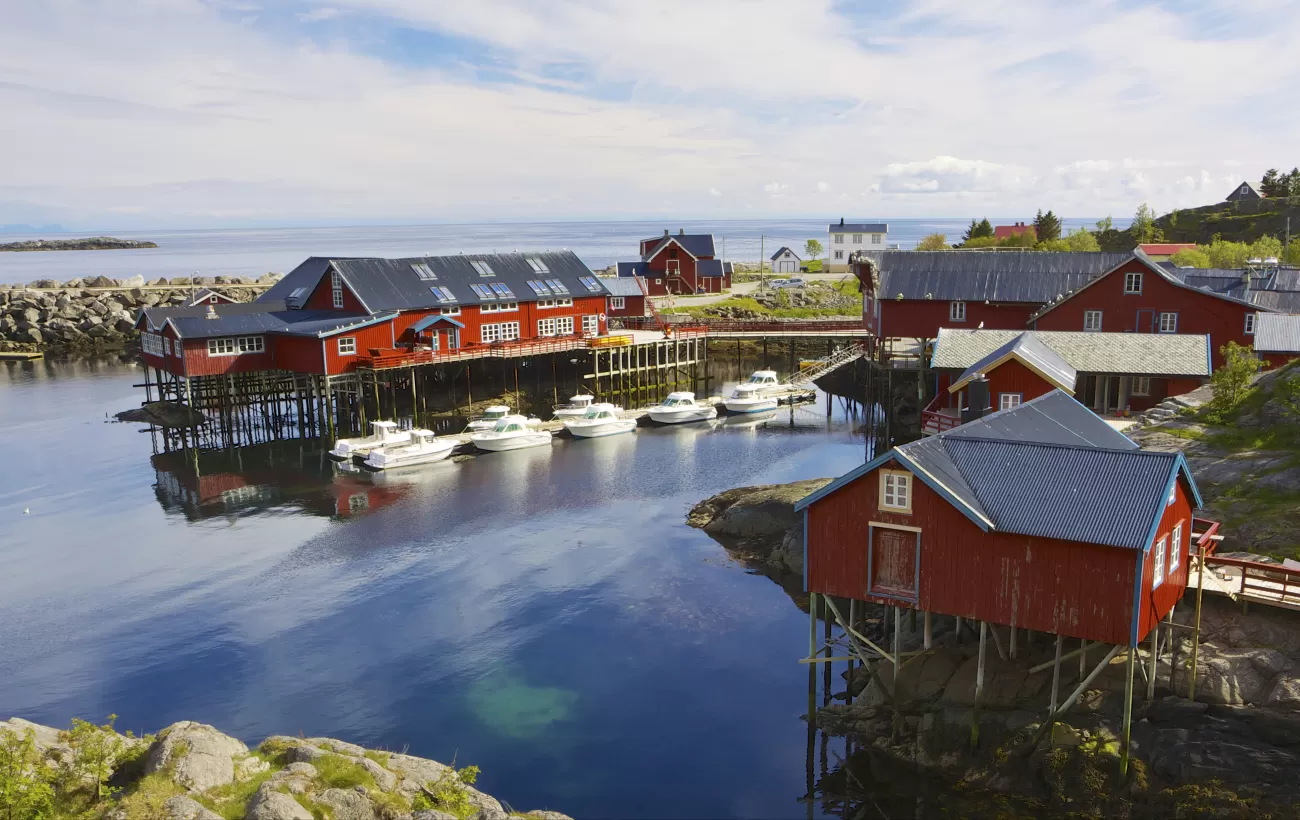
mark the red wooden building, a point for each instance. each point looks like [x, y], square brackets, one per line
[326, 314]
[627, 297]
[1039, 517]
[1277, 338]
[911, 294]
[679, 263]
[1111, 373]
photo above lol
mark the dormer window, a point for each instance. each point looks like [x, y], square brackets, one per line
[336, 288]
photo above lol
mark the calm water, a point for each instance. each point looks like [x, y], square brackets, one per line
[257, 251]
[544, 614]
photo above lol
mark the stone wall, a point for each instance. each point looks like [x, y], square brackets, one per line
[86, 315]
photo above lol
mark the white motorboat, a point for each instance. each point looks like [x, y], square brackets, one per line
[766, 383]
[600, 420]
[682, 407]
[576, 408]
[383, 432]
[749, 398]
[510, 433]
[489, 419]
[422, 447]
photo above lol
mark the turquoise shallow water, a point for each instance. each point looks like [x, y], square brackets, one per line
[544, 614]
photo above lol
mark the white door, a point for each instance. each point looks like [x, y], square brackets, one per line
[590, 325]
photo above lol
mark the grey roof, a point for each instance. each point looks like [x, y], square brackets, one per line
[1277, 333]
[994, 276]
[622, 286]
[1141, 354]
[291, 322]
[696, 244]
[781, 250]
[633, 269]
[156, 317]
[859, 227]
[392, 284]
[712, 267]
[1031, 351]
[1054, 418]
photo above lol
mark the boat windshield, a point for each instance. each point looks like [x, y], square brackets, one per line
[743, 390]
[597, 413]
[762, 378]
[495, 414]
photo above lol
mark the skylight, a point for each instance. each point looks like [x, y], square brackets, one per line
[483, 268]
[501, 290]
[482, 291]
[297, 293]
[590, 283]
[557, 286]
[443, 294]
[538, 265]
[423, 271]
[539, 287]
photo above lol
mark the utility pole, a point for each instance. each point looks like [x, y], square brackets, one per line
[1286, 246]
[762, 254]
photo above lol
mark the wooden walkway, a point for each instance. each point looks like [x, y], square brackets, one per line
[1249, 581]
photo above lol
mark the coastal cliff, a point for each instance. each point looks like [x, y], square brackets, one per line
[191, 771]
[91, 243]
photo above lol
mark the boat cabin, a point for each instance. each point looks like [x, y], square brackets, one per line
[601, 411]
[511, 424]
[763, 378]
[680, 399]
[496, 411]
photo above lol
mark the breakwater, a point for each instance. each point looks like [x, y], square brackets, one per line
[95, 314]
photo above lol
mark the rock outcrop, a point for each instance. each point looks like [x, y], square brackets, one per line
[759, 524]
[192, 771]
[90, 243]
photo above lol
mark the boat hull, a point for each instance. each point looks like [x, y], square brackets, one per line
[605, 427]
[570, 413]
[676, 416]
[758, 405]
[393, 461]
[518, 442]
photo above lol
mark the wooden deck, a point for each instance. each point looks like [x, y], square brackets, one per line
[1249, 581]
[20, 355]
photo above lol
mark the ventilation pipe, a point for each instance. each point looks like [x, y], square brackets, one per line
[977, 392]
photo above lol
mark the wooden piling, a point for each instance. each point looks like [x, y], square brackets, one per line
[1056, 688]
[1128, 709]
[979, 687]
[1196, 630]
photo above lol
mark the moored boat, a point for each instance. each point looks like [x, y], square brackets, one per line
[382, 432]
[576, 408]
[489, 419]
[766, 383]
[600, 420]
[510, 433]
[749, 398]
[682, 407]
[422, 447]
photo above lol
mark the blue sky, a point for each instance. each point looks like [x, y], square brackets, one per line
[193, 113]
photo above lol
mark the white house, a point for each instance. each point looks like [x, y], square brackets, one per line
[785, 261]
[847, 237]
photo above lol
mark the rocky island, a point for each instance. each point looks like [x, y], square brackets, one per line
[191, 771]
[91, 243]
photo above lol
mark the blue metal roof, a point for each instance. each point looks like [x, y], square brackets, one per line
[633, 268]
[430, 321]
[291, 322]
[710, 267]
[1033, 353]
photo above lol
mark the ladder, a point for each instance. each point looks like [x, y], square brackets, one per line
[826, 364]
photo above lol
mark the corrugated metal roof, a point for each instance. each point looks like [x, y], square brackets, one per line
[859, 227]
[1142, 354]
[1054, 418]
[622, 285]
[781, 250]
[696, 244]
[1031, 351]
[1277, 333]
[994, 276]
[291, 322]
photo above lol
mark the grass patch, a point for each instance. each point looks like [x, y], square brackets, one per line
[1184, 433]
[231, 801]
[145, 801]
[390, 805]
[748, 303]
[1242, 439]
[338, 772]
[275, 751]
[449, 793]
[381, 758]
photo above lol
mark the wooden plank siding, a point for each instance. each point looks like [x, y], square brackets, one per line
[921, 319]
[1009, 377]
[1155, 604]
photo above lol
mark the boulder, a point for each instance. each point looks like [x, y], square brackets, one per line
[185, 808]
[347, 804]
[97, 307]
[98, 331]
[201, 757]
[101, 282]
[385, 779]
[31, 334]
[131, 281]
[304, 753]
[46, 737]
[29, 316]
[416, 772]
[433, 814]
[340, 746]
[269, 804]
[249, 767]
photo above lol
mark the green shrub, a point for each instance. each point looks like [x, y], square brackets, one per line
[26, 790]
[448, 793]
[94, 750]
[1232, 382]
[339, 772]
[145, 801]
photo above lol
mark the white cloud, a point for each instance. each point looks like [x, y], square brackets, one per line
[823, 187]
[775, 189]
[714, 192]
[319, 15]
[953, 175]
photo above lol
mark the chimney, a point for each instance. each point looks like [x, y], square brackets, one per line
[665, 231]
[841, 222]
[681, 232]
[1245, 278]
[977, 391]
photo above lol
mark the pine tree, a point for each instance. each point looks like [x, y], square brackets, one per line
[1047, 226]
[978, 230]
[1271, 184]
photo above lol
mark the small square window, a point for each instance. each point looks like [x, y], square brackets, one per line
[839, 239]
[1250, 323]
[1006, 401]
[348, 346]
[957, 311]
[1133, 283]
[839, 254]
[1092, 320]
[616, 303]
[1169, 323]
[896, 491]
[857, 239]
[875, 239]
[1141, 385]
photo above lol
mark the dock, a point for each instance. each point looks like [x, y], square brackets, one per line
[20, 355]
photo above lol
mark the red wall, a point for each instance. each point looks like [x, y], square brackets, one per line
[632, 306]
[322, 298]
[372, 336]
[1198, 313]
[1009, 377]
[301, 354]
[1075, 589]
[1155, 604]
[921, 319]
[1276, 360]
[199, 363]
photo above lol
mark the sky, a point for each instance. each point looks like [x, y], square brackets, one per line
[143, 114]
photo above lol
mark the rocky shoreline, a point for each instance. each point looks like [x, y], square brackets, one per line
[97, 314]
[91, 243]
[191, 771]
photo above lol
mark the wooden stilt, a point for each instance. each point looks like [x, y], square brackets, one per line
[1083, 658]
[898, 662]
[979, 686]
[1012, 649]
[928, 627]
[1056, 686]
[956, 630]
[997, 643]
[1128, 709]
[1074, 696]
[1155, 655]
[1196, 630]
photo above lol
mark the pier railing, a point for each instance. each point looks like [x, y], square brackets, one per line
[934, 420]
[1268, 583]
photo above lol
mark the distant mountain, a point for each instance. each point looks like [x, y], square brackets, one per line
[33, 229]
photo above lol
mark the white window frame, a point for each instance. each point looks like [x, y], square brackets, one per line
[167, 346]
[336, 289]
[1007, 401]
[233, 345]
[560, 302]
[545, 327]
[347, 345]
[839, 239]
[956, 311]
[896, 491]
[1133, 283]
[617, 303]
[564, 325]
[1176, 547]
[839, 254]
[1092, 321]
[590, 325]
[1141, 386]
[1173, 322]
[857, 239]
[876, 239]
[499, 307]
[151, 343]
[499, 332]
[1158, 572]
[1250, 323]
[449, 311]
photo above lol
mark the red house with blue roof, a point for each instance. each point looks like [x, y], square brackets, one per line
[679, 263]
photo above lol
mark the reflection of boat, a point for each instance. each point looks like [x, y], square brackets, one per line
[382, 432]
[421, 448]
[749, 420]
[576, 408]
[489, 418]
[600, 420]
[510, 433]
[682, 407]
[749, 398]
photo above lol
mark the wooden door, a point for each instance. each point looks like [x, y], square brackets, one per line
[892, 562]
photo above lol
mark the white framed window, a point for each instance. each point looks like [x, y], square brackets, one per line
[449, 311]
[1173, 495]
[839, 239]
[1250, 323]
[545, 327]
[875, 239]
[1176, 548]
[233, 345]
[559, 326]
[167, 346]
[616, 303]
[499, 332]
[1158, 574]
[348, 346]
[1092, 320]
[857, 239]
[896, 491]
[956, 311]
[547, 304]
[1169, 323]
[1008, 400]
[499, 307]
[590, 325]
[1141, 385]
[1133, 282]
[839, 254]
[564, 325]
[336, 288]
[151, 343]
